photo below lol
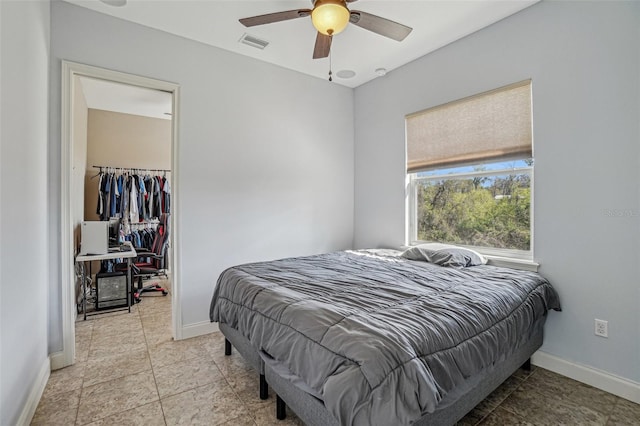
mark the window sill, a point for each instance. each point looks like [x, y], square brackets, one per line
[502, 261]
[506, 262]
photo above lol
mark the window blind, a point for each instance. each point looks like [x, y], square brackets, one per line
[489, 126]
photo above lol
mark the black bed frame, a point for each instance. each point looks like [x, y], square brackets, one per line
[453, 407]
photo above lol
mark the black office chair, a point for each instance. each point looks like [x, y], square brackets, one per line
[150, 263]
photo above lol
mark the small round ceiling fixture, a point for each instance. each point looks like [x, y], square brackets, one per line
[346, 74]
[381, 72]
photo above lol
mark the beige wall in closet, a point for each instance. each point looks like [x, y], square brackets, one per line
[123, 140]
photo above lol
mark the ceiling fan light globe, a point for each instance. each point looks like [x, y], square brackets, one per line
[330, 16]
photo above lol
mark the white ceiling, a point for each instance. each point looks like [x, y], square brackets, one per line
[435, 23]
[126, 99]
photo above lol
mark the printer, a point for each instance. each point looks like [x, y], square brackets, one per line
[94, 237]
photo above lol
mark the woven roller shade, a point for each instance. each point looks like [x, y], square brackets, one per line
[493, 125]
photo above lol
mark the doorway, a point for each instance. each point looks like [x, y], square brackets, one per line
[78, 167]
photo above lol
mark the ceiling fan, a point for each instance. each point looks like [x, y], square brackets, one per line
[330, 17]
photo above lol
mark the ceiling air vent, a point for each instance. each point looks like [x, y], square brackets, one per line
[253, 41]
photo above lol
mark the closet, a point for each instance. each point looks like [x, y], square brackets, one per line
[126, 162]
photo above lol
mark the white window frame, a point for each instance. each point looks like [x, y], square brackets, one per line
[522, 259]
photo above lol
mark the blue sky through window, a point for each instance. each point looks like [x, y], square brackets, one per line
[503, 165]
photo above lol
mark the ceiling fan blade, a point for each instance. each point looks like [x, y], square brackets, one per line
[274, 17]
[323, 46]
[379, 25]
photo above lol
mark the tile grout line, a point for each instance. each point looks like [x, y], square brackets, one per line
[144, 331]
[153, 372]
[505, 398]
[75, 421]
[89, 328]
[106, 381]
[252, 413]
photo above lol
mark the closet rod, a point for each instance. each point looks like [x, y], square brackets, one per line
[131, 168]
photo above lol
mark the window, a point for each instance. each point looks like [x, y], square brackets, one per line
[470, 170]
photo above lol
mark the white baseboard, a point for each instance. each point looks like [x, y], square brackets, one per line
[57, 360]
[35, 394]
[608, 382]
[199, 329]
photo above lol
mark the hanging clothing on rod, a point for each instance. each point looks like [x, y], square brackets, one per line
[132, 194]
[128, 169]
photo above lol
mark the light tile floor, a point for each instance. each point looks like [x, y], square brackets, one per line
[129, 371]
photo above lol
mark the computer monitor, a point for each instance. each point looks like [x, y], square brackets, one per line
[114, 231]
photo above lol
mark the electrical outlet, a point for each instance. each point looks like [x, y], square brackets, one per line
[602, 328]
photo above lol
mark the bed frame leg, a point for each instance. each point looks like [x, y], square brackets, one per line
[264, 387]
[281, 408]
[227, 347]
[527, 365]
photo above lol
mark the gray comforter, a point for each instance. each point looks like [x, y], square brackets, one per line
[380, 339]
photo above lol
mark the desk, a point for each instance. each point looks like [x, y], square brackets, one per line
[84, 258]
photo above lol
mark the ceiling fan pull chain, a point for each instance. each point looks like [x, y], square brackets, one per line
[330, 73]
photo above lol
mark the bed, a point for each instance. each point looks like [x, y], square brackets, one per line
[370, 337]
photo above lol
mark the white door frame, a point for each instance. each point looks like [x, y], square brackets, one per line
[69, 71]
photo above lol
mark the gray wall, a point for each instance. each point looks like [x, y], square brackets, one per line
[24, 93]
[262, 173]
[584, 60]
